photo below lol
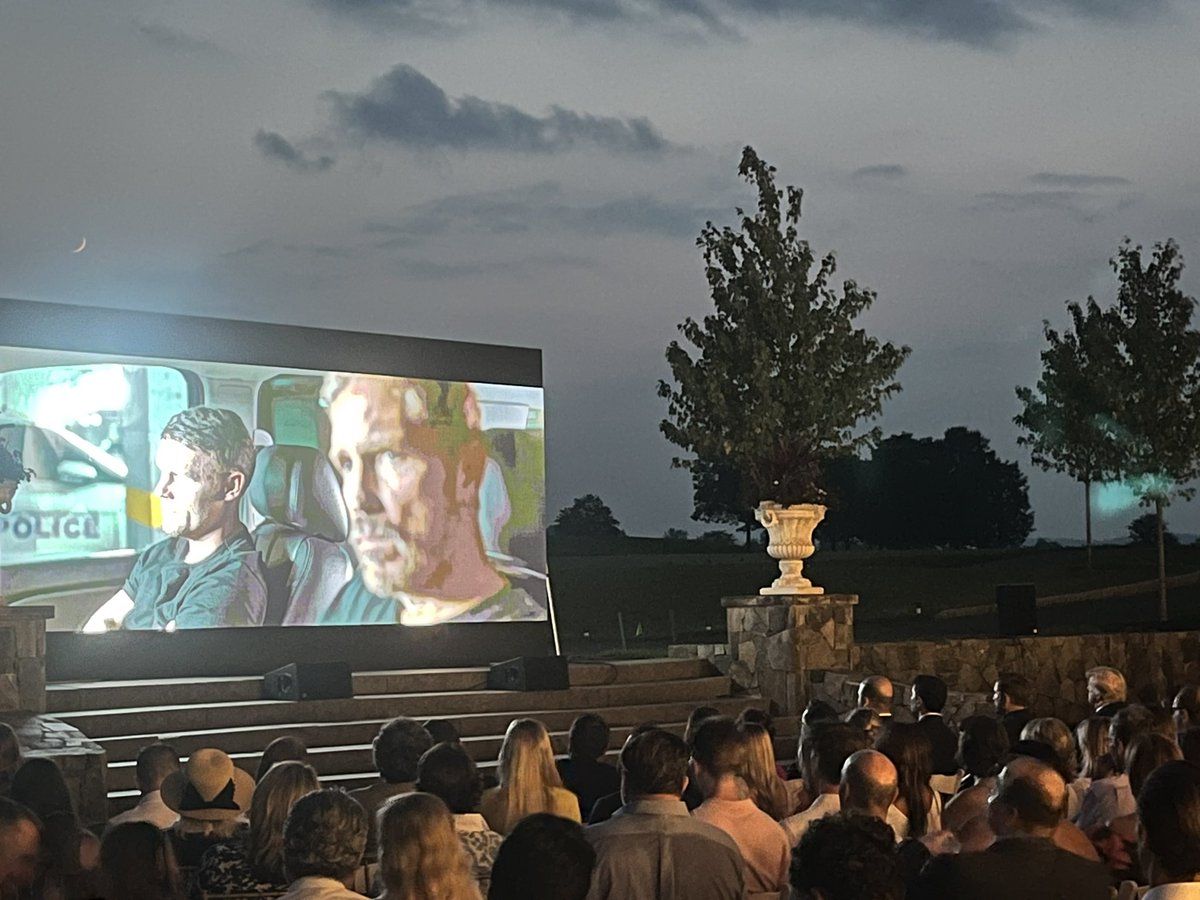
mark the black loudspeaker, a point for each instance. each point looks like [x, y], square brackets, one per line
[308, 681]
[1016, 609]
[529, 673]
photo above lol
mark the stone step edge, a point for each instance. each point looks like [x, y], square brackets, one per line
[67, 715]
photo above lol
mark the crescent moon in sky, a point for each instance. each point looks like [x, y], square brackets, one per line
[82, 246]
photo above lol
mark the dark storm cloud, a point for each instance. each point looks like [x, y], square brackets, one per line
[1079, 205]
[268, 247]
[405, 107]
[275, 146]
[543, 207]
[178, 41]
[983, 23]
[520, 267]
[1077, 180]
[888, 171]
[420, 16]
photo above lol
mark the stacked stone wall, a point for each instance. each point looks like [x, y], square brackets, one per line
[1153, 663]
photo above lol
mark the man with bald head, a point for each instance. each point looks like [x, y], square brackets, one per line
[869, 784]
[875, 693]
[1024, 811]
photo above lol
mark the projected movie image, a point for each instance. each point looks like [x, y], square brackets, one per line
[163, 495]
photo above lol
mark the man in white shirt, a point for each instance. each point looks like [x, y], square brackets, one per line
[1168, 812]
[154, 763]
[823, 752]
[323, 841]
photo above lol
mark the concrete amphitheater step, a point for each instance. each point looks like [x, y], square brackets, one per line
[68, 697]
[253, 738]
[101, 723]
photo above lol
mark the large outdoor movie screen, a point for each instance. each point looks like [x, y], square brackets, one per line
[156, 494]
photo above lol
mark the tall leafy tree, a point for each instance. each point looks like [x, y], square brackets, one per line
[1068, 419]
[1159, 421]
[779, 377]
[587, 516]
[721, 495]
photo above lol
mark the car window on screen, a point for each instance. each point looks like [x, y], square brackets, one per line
[88, 434]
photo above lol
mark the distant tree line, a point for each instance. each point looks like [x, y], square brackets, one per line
[911, 493]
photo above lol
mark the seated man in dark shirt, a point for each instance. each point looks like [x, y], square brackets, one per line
[413, 462]
[207, 573]
[584, 773]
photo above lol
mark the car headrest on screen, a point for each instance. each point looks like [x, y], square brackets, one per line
[297, 487]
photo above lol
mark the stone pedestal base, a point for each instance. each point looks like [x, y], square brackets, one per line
[83, 762]
[775, 640]
[23, 657]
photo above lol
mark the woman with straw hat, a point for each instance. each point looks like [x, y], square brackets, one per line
[211, 796]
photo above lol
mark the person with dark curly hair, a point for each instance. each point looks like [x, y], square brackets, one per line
[207, 574]
[396, 750]
[323, 841]
[12, 473]
[546, 857]
[847, 857]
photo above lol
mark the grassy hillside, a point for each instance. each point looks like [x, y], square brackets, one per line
[644, 586]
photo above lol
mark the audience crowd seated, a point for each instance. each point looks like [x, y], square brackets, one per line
[252, 862]
[1111, 804]
[653, 849]
[70, 854]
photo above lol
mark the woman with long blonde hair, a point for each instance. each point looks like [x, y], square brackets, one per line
[529, 781]
[766, 787]
[420, 856]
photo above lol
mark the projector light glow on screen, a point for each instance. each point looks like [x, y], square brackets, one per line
[174, 494]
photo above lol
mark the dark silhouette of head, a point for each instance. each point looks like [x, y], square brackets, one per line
[397, 749]
[849, 857]
[544, 857]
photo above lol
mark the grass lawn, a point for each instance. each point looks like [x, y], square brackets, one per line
[646, 587]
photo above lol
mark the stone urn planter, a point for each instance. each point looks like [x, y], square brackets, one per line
[789, 532]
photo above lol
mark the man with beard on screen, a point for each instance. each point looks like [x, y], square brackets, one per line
[207, 573]
[412, 462]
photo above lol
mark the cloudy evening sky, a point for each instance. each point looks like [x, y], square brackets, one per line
[534, 172]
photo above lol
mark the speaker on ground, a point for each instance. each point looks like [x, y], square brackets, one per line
[308, 681]
[529, 673]
[1016, 609]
